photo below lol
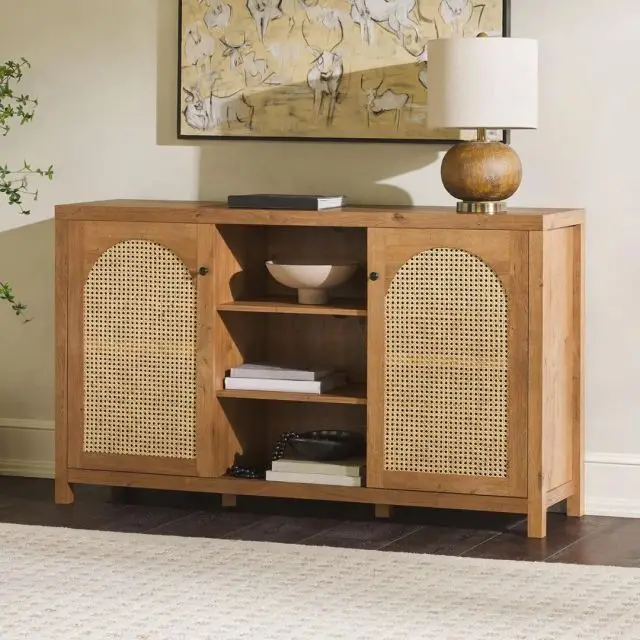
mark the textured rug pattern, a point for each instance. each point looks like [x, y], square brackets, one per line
[62, 584]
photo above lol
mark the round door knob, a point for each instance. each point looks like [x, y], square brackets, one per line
[373, 276]
[203, 271]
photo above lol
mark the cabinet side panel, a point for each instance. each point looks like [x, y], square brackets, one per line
[575, 504]
[61, 333]
[557, 384]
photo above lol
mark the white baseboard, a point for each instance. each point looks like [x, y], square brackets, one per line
[612, 480]
[27, 448]
[613, 485]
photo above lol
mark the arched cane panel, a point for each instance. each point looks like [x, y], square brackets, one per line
[446, 326]
[139, 354]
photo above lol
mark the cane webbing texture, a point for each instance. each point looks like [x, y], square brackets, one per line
[446, 399]
[139, 354]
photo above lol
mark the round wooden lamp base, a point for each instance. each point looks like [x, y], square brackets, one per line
[482, 175]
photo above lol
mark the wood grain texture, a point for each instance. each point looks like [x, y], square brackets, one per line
[236, 486]
[576, 501]
[383, 511]
[481, 171]
[318, 342]
[538, 481]
[377, 263]
[75, 351]
[239, 428]
[560, 493]
[63, 491]
[523, 219]
[205, 353]
[558, 357]
[350, 307]
[349, 394]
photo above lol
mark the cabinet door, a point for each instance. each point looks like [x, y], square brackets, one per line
[447, 361]
[139, 347]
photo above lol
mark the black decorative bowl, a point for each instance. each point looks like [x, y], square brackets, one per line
[328, 444]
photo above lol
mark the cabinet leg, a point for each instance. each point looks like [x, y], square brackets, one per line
[575, 505]
[63, 491]
[537, 521]
[383, 511]
[228, 501]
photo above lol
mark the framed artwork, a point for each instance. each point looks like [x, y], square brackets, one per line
[318, 69]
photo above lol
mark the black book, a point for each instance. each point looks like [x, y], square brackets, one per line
[284, 201]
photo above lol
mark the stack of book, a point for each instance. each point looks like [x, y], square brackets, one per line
[344, 473]
[264, 377]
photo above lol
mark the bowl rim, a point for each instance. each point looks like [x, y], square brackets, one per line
[291, 264]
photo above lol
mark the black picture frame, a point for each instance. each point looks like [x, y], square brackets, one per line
[506, 33]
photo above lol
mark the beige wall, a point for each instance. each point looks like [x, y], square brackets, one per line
[105, 75]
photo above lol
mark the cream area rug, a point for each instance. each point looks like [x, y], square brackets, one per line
[62, 584]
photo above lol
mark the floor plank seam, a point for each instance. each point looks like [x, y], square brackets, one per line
[475, 546]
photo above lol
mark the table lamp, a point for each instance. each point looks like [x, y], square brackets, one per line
[482, 83]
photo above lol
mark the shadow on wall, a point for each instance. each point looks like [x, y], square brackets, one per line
[26, 377]
[356, 170]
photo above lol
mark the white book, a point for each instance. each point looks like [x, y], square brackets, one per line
[314, 478]
[272, 372]
[293, 386]
[349, 468]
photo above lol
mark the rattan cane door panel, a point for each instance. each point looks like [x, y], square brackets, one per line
[447, 361]
[137, 347]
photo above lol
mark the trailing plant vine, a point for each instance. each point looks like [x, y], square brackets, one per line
[16, 108]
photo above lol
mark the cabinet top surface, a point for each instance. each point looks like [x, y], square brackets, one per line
[391, 216]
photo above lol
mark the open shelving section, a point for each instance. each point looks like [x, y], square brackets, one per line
[259, 320]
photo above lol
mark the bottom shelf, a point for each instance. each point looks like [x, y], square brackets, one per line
[241, 487]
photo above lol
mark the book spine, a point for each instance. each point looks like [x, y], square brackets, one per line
[313, 478]
[299, 386]
[284, 374]
[294, 466]
[307, 204]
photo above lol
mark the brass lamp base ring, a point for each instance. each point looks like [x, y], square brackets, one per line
[488, 208]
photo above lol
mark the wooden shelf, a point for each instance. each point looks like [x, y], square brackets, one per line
[349, 394]
[338, 307]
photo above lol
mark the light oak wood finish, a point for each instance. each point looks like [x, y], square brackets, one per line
[538, 468]
[239, 428]
[403, 217]
[537, 255]
[205, 355]
[63, 492]
[554, 496]
[240, 487]
[350, 394]
[339, 308]
[553, 414]
[228, 501]
[383, 511]
[576, 501]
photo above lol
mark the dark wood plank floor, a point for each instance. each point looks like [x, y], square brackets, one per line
[590, 540]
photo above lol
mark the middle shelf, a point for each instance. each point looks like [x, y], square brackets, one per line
[281, 304]
[355, 394]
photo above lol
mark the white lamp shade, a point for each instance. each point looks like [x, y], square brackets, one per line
[489, 83]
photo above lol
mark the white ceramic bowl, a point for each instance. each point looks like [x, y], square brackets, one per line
[311, 280]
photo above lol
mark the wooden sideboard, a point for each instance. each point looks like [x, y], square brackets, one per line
[462, 337]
